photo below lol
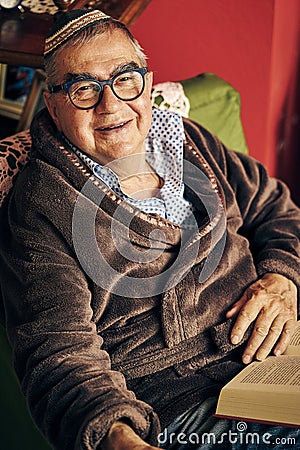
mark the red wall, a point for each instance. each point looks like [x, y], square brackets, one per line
[284, 105]
[252, 44]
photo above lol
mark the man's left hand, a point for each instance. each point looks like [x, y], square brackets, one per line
[270, 302]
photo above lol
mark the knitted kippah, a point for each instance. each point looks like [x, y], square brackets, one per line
[69, 24]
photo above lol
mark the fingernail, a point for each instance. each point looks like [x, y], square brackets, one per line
[277, 352]
[235, 339]
[246, 359]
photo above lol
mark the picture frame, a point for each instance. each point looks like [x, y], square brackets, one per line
[34, 101]
[15, 86]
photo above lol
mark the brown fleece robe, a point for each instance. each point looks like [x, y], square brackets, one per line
[89, 347]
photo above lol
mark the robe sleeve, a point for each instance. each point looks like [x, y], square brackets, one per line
[66, 377]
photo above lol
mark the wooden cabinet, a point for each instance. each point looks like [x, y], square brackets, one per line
[22, 34]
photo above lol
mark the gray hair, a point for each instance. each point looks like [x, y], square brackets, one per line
[86, 36]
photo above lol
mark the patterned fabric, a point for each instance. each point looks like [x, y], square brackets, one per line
[164, 153]
[170, 96]
[14, 152]
[40, 6]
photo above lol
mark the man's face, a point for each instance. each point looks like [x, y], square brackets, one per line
[114, 128]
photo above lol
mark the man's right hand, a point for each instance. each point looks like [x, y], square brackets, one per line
[122, 437]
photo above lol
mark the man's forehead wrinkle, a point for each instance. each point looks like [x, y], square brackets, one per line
[119, 68]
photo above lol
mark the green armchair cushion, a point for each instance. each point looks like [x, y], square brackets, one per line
[208, 100]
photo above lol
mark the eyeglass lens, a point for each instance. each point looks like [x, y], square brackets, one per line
[126, 86]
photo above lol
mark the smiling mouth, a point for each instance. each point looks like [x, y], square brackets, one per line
[113, 127]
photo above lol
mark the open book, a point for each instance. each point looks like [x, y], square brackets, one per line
[266, 391]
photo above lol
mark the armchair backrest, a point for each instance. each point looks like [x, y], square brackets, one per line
[14, 153]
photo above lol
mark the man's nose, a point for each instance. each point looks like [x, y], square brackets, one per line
[109, 102]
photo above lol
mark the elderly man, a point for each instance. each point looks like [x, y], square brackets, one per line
[142, 263]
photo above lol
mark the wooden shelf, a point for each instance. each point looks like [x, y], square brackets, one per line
[127, 11]
[22, 38]
[22, 35]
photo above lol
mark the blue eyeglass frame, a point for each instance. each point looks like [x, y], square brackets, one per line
[67, 85]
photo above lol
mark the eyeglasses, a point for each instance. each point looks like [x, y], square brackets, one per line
[87, 93]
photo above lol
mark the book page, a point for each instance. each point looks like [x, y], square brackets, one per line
[264, 391]
[294, 345]
[275, 370]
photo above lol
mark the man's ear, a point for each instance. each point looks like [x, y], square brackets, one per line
[149, 78]
[51, 105]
